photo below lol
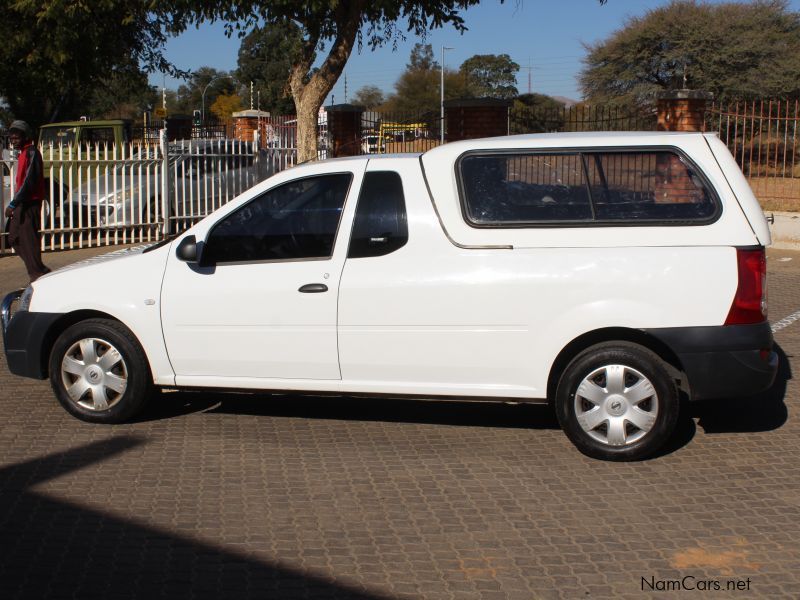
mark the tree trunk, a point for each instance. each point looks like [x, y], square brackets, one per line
[307, 115]
[309, 96]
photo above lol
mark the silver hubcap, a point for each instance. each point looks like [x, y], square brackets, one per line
[616, 405]
[94, 374]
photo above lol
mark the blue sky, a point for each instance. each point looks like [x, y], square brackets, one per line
[545, 35]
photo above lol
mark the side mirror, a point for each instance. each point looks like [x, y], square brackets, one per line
[187, 249]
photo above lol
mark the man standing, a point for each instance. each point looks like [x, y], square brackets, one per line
[25, 209]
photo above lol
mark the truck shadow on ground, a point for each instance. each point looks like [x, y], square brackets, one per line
[349, 408]
[763, 412]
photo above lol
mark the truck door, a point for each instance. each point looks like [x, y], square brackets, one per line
[262, 302]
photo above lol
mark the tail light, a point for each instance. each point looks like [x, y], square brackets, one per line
[750, 302]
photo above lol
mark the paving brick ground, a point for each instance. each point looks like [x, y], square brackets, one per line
[245, 496]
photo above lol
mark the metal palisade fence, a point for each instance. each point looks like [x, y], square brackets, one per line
[387, 133]
[139, 192]
[764, 137]
[102, 194]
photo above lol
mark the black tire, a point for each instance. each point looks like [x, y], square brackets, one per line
[83, 360]
[599, 407]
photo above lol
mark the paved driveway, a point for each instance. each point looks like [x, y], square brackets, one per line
[257, 496]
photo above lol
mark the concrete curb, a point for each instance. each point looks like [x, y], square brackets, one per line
[785, 230]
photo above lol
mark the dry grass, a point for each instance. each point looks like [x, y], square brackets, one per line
[777, 193]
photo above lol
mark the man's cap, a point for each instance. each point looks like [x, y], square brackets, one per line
[23, 128]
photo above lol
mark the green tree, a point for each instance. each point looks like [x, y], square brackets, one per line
[331, 28]
[55, 54]
[266, 57]
[225, 105]
[190, 95]
[369, 96]
[490, 75]
[536, 113]
[421, 58]
[734, 50]
[417, 89]
[124, 94]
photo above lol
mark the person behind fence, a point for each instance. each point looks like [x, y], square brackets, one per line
[24, 211]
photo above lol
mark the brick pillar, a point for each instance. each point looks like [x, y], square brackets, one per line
[243, 128]
[475, 118]
[344, 129]
[681, 110]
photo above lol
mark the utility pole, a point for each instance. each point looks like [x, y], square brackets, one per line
[530, 70]
[345, 88]
[441, 99]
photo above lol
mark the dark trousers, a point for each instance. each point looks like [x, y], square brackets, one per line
[24, 237]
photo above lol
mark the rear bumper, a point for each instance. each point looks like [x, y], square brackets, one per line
[726, 361]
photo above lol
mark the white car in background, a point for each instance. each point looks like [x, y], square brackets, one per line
[203, 175]
[5, 170]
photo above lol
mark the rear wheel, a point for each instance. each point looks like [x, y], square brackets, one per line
[99, 372]
[616, 401]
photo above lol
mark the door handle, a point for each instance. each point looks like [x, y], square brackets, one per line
[313, 288]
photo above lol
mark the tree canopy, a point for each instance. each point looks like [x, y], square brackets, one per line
[417, 89]
[226, 104]
[266, 56]
[55, 55]
[369, 96]
[333, 29]
[734, 50]
[490, 75]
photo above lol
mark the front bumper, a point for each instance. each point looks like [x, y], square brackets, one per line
[24, 336]
[726, 361]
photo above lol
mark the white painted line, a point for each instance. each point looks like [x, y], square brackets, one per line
[786, 321]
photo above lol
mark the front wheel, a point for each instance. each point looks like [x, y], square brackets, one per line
[616, 401]
[99, 372]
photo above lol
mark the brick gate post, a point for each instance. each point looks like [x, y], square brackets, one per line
[678, 110]
[344, 129]
[472, 118]
[681, 110]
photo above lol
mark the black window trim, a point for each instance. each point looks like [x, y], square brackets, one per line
[211, 230]
[355, 214]
[583, 151]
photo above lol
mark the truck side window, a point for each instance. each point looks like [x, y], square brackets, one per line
[515, 189]
[529, 189]
[647, 186]
[381, 225]
[296, 220]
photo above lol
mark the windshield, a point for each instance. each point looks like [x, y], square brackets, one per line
[58, 136]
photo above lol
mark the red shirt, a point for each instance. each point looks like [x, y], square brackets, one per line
[30, 176]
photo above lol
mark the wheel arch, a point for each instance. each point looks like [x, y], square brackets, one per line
[613, 334]
[60, 325]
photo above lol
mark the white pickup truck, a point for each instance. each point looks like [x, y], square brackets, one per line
[603, 273]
